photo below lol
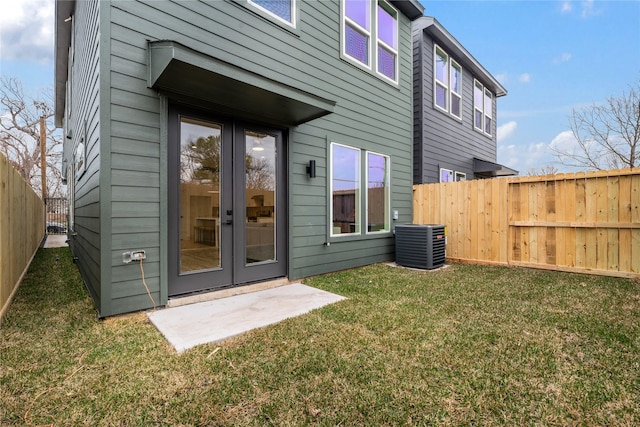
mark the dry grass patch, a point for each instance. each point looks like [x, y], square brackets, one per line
[465, 345]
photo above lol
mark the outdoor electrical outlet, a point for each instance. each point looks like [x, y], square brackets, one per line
[129, 256]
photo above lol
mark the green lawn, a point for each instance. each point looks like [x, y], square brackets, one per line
[467, 345]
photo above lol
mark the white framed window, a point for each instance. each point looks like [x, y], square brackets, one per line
[447, 83]
[80, 157]
[488, 111]
[460, 176]
[370, 36]
[281, 10]
[71, 195]
[441, 80]
[456, 90]
[387, 41]
[378, 195]
[446, 175]
[345, 205]
[482, 109]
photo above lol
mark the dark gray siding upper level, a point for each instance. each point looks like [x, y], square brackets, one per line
[440, 139]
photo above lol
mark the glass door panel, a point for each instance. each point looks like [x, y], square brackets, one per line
[200, 184]
[260, 197]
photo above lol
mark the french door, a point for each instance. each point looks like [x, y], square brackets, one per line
[227, 203]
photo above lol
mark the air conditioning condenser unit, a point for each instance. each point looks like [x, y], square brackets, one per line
[420, 245]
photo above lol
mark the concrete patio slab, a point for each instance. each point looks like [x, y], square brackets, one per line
[213, 321]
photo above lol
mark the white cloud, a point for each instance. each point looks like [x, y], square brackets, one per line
[503, 78]
[564, 57]
[588, 9]
[506, 130]
[27, 30]
[564, 141]
[524, 78]
[535, 155]
[523, 157]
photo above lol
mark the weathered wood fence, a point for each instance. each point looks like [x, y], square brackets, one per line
[583, 222]
[21, 229]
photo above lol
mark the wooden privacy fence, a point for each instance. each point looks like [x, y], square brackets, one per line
[583, 222]
[21, 229]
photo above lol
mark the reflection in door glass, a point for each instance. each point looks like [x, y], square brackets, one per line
[200, 156]
[260, 188]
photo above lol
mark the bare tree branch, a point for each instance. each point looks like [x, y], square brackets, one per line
[543, 170]
[20, 133]
[607, 136]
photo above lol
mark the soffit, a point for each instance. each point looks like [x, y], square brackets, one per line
[487, 169]
[63, 26]
[177, 69]
[412, 9]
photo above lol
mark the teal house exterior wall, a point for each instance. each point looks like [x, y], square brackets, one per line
[135, 59]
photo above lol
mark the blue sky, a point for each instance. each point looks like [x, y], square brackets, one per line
[551, 55]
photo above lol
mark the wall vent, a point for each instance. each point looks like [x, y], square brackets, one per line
[420, 245]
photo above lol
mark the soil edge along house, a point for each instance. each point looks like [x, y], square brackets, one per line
[232, 141]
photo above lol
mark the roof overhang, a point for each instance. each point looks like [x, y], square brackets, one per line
[182, 71]
[487, 169]
[63, 26]
[412, 9]
[453, 47]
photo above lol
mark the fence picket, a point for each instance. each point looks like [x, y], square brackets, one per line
[584, 222]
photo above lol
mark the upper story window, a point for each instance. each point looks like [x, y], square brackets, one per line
[482, 108]
[387, 41]
[447, 83]
[281, 10]
[370, 36]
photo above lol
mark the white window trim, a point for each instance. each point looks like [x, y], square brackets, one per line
[452, 93]
[343, 25]
[372, 34]
[449, 93]
[437, 82]
[482, 110]
[276, 17]
[358, 203]
[394, 11]
[387, 194]
[71, 185]
[450, 174]
[79, 158]
[475, 107]
[489, 113]
[459, 176]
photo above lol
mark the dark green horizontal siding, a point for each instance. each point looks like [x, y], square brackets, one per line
[370, 114]
[84, 107]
